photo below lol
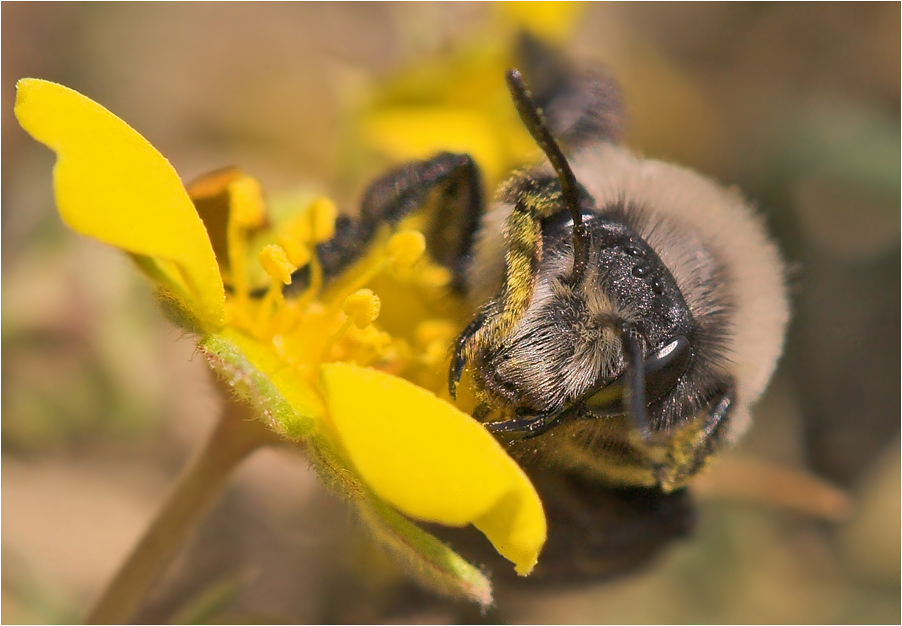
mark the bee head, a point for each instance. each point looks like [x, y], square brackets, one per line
[607, 330]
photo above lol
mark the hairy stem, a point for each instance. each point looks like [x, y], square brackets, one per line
[235, 436]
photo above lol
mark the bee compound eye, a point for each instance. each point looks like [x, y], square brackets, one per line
[664, 368]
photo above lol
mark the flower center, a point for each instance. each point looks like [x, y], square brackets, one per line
[341, 320]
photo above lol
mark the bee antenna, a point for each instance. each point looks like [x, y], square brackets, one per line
[635, 383]
[534, 121]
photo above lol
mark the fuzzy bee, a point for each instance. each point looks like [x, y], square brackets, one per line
[628, 312]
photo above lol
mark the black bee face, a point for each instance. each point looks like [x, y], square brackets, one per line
[568, 353]
[628, 286]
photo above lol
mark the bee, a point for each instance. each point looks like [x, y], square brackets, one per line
[628, 312]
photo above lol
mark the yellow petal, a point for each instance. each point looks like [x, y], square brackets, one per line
[281, 397]
[418, 132]
[210, 195]
[112, 185]
[432, 461]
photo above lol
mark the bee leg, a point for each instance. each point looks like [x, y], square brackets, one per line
[336, 254]
[523, 232]
[481, 412]
[689, 454]
[525, 427]
[446, 187]
[459, 358]
[715, 425]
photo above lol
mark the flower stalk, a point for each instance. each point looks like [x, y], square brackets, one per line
[236, 436]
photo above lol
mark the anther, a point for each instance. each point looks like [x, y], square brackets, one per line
[322, 217]
[276, 263]
[362, 307]
[246, 203]
[404, 249]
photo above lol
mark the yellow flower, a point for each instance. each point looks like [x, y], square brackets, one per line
[334, 365]
[458, 101]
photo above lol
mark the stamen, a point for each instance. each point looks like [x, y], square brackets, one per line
[297, 251]
[362, 309]
[275, 261]
[246, 207]
[343, 318]
[276, 264]
[305, 230]
[434, 276]
[322, 219]
[370, 344]
[299, 236]
[400, 253]
[313, 287]
[404, 249]
[246, 212]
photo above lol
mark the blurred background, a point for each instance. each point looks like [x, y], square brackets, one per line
[798, 105]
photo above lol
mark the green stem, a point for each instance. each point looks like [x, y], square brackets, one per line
[235, 437]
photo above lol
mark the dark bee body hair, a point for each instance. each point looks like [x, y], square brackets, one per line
[628, 312]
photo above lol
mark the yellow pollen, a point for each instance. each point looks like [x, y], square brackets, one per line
[246, 206]
[246, 212]
[276, 263]
[434, 276]
[316, 281]
[322, 219]
[431, 331]
[362, 307]
[405, 248]
[295, 249]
